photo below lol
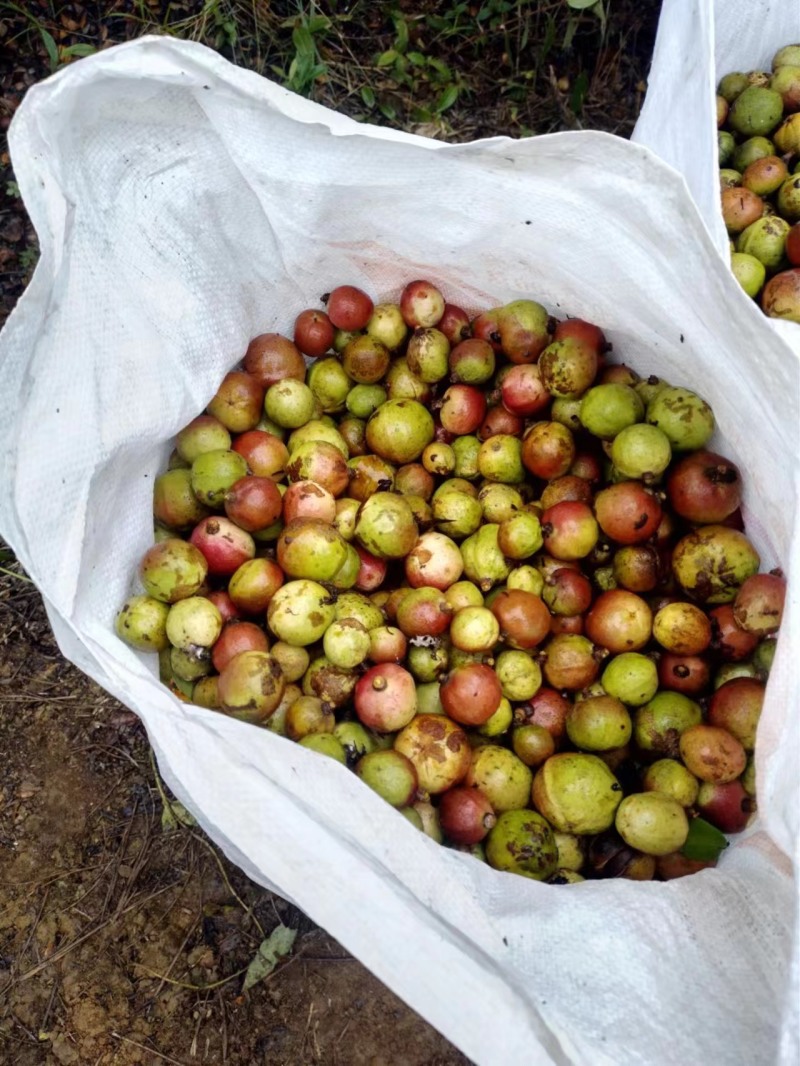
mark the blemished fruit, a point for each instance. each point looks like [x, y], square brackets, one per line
[758, 115]
[502, 579]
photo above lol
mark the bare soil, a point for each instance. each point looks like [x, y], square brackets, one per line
[124, 934]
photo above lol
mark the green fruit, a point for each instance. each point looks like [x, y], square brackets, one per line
[190, 664]
[749, 272]
[571, 853]
[756, 111]
[712, 562]
[501, 776]
[465, 450]
[317, 430]
[599, 723]
[673, 779]
[732, 85]
[386, 526]
[172, 570]
[641, 452]
[685, 418]
[213, 473]
[500, 502]
[400, 430]
[142, 623]
[520, 536]
[577, 793]
[387, 326]
[787, 136]
[300, 612]
[658, 725]
[346, 644]
[330, 383]
[355, 740]
[522, 842]
[325, 744]
[429, 699]
[750, 151]
[484, 562]
[289, 403]
[358, 606]
[428, 662]
[391, 775]
[788, 201]
[520, 676]
[500, 722]
[729, 179]
[631, 677]
[427, 354]
[788, 56]
[765, 239]
[310, 548]
[193, 622]
[652, 822]
[725, 146]
[174, 503]
[363, 400]
[608, 409]
[500, 459]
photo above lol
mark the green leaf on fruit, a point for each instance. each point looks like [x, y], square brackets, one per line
[705, 843]
[277, 946]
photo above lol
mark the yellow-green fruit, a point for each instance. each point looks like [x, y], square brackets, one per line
[504, 779]
[522, 843]
[325, 744]
[652, 822]
[749, 272]
[577, 793]
[571, 853]
[756, 111]
[673, 779]
[142, 623]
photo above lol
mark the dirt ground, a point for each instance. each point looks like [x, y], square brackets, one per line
[124, 934]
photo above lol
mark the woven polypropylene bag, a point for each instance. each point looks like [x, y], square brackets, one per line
[184, 206]
[699, 41]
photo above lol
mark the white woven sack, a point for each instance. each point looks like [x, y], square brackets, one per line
[183, 206]
[697, 42]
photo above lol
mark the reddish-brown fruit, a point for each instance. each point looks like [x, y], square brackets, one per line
[349, 308]
[619, 621]
[421, 305]
[729, 640]
[548, 449]
[385, 698]
[238, 403]
[582, 331]
[313, 332]
[454, 323]
[704, 487]
[628, 512]
[522, 391]
[225, 605]
[549, 709]
[463, 409]
[224, 545]
[265, 454]
[271, 358]
[568, 487]
[254, 584]
[500, 421]
[471, 694]
[689, 674]
[237, 637]
[466, 815]
[253, 503]
[523, 617]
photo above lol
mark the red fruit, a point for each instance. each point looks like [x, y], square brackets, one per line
[487, 328]
[727, 806]
[524, 618]
[463, 409]
[225, 605]
[313, 333]
[421, 305]
[736, 706]
[265, 454]
[582, 331]
[549, 709]
[628, 512]
[307, 499]
[522, 391]
[349, 308]
[253, 503]
[793, 245]
[465, 815]
[566, 623]
[758, 607]
[568, 593]
[587, 466]
[237, 637]
[568, 487]
[223, 544]
[730, 641]
[454, 323]
[385, 698]
[371, 573]
[689, 674]
[498, 422]
[548, 449]
[387, 645]
[271, 358]
[238, 403]
[254, 584]
[704, 487]
[619, 621]
[780, 297]
[471, 694]
[424, 612]
[569, 529]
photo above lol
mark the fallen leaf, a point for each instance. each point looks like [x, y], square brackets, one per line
[270, 951]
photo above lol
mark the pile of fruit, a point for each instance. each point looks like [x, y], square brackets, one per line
[502, 579]
[759, 152]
